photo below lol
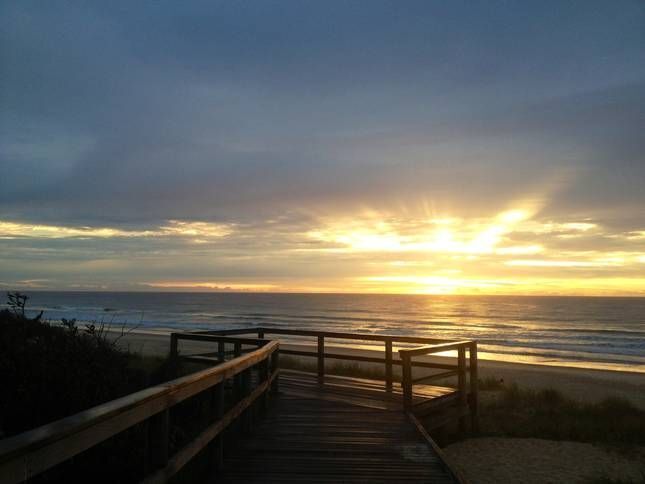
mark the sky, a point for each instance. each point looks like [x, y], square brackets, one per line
[481, 147]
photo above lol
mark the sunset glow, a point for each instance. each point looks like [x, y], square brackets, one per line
[461, 149]
[511, 252]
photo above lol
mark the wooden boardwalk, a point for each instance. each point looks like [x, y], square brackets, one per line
[317, 427]
[340, 431]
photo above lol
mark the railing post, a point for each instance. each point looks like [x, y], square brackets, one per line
[321, 359]
[158, 440]
[275, 366]
[247, 416]
[474, 388]
[238, 383]
[461, 364]
[221, 351]
[406, 382]
[218, 447]
[265, 372]
[388, 364]
[174, 345]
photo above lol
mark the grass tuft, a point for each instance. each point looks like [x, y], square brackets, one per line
[520, 412]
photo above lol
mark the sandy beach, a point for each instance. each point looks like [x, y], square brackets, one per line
[579, 383]
[491, 460]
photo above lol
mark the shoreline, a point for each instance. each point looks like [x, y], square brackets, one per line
[584, 384]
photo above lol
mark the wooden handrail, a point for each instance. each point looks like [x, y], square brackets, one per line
[325, 334]
[431, 346]
[321, 355]
[466, 399]
[30, 453]
[435, 348]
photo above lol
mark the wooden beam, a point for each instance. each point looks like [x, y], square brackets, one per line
[474, 388]
[326, 334]
[321, 359]
[450, 467]
[406, 382]
[388, 365]
[181, 458]
[436, 376]
[461, 378]
[30, 453]
[435, 348]
[368, 359]
[216, 338]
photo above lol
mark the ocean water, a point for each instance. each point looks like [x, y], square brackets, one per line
[592, 332]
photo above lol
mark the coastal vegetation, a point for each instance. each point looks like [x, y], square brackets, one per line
[51, 371]
[54, 370]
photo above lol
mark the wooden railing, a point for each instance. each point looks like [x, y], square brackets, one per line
[466, 399]
[31, 453]
[321, 354]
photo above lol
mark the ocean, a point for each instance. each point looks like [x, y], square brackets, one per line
[590, 332]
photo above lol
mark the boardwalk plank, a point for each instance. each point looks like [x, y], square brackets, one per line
[315, 434]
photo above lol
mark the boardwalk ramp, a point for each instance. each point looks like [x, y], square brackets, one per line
[306, 438]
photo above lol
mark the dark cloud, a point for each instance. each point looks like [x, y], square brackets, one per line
[127, 114]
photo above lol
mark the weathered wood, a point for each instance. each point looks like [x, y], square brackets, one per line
[388, 364]
[217, 454]
[217, 338]
[368, 359]
[181, 458]
[275, 368]
[263, 375]
[321, 359]
[407, 381]
[30, 453]
[158, 441]
[174, 345]
[449, 466]
[358, 391]
[461, 384]
[310, 440]
[436, 376]
[325, 334]
[260, 369]
[474, 383]
[435, 348]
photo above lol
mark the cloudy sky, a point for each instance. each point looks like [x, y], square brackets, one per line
[366, 146]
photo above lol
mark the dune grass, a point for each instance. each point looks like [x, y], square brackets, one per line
[519, 412]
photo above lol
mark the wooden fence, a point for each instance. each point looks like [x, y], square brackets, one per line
[466, 372]
[466, 400]
[33, 452]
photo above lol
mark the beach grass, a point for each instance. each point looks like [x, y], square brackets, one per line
[520, 412]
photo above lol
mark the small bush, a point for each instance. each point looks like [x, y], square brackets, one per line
[50, 372]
